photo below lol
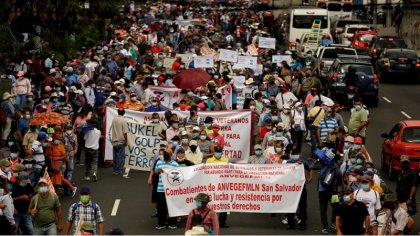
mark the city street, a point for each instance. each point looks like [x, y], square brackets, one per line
[133, 214]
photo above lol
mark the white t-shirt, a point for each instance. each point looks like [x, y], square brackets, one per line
[38, 153]
[92, 139]
[283, 99]
[371, 199]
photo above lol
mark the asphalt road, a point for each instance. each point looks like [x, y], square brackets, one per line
[133, 214]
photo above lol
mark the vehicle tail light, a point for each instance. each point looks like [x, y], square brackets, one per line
[292, 44]
[418, 64]
[375, 78]
[386, 63]
[322, 64]
[374, 51]
[337, 31]
[335, 76]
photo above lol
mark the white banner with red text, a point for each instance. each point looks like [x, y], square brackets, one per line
[235, 187]
[144, 140]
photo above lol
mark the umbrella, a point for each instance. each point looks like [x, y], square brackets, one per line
[191, 79]
[49, 118]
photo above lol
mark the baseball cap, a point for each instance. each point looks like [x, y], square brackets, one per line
[193, 143]
[196, 128]
[163, 143]
[349, 139]
[257, 146]
[358, 140]
[84, 190]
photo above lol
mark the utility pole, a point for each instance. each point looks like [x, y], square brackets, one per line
[375, 13]
[388, 13]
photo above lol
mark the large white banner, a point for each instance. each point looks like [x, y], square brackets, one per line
[166, 95]
[228, 55]
[247, 61]
[203, 62]
[235, 187]
[264, 42]
[235, 126]
[277, 59]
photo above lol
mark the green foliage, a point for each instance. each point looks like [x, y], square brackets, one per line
[90, 35]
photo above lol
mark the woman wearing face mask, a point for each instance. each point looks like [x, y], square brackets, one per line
[172, 131]
[216, 137]
[56, 153]
[298, 125]
[278, 152]
[205, 145]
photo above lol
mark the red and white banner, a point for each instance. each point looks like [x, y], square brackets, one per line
[235, 126]
[166, 95]
[235, 187]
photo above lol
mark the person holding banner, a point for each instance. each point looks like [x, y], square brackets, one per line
[45, 207]
[217, 138]
[207, 216]
[205, 145]
[162, 208]
[119, 141]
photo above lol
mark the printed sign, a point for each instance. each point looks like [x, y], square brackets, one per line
[167, 63]
[166, 95]
[226, 92]
[277, 59]
[264, 42]
[247, 61]
[228, 55]
[203, 62]
[234, 187]
[238, 81]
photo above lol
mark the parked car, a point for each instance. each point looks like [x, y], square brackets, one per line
[327, 55]
[367, 85]
[338, 27]
[378, 44]
[361, 40]
[403, 139]
[348, 33]
[303, 46]
[394, 62]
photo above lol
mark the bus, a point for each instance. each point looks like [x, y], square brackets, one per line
[300, 22]
[337, 9]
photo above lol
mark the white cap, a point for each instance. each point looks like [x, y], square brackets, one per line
[190, 94]
[122, 81]
[204, 97]
[117, 82]
[113, 94]
[184, 133]
[73, 88]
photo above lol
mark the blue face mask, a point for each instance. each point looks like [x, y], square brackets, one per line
[198, 204]
[13, 155]
[359, 161]
[184, 141]
[365, 187]
[295, 157]
[7, 169]
[279, 134]
[203, 137]
[175, 143]
[43, 189]
[346, 198]
[258, 152]
[217, 155]
[353, 160]
[357, 107]
[279, 149]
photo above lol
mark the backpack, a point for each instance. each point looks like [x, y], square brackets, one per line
[3, 116]
[329, 178]
[77, 205]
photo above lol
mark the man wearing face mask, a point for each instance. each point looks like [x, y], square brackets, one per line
[358, 120]
[22, 195]
[155, 106]
[208, 216]
[285, 97]
[219, 158]
[133, 103]
[172, 131]
[29, 102]
[182, 160]
[359, 149]
[258, 157]
[7, 221]
[38, 147]
[194, 154]
[371, 199]
[327, 130]
[45, 208]
[407, 185]
[217, 138]
[352, 216]
[86, 211]
[5, 169]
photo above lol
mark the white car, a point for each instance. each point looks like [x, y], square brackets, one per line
[348, 33]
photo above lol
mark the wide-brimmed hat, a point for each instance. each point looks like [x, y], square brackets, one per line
[203, 197]
[6, 95]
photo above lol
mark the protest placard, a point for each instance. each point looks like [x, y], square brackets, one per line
[166, 95]
[235, 187]
[167, 63]
[247, 61]
[277, 59]
[238, 81]
[228, 55]
[235, 126]
[203, 62]
[264, 42]
[226, 92]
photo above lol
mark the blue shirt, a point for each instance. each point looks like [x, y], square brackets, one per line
[159, 165]
[23, 126]
[154, 109]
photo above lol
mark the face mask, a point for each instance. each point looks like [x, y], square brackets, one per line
[28, 166]
[203, 137]
[23, 184]
[43, 189]
[29, 99]
[258, 152]
[133, 99]
[46, 100]
[252, 107]
[217, 155]
[352, 179]
[195, 134]
[279, 149]
[175, 125]
[57, 89]
[279, 134]
[184, 141]
[298, 108]
[15, 174]
[275, 117]
[154, 103]
[365, 187]
[358, 107]
[57, 142]
[54, 100]
[356, 146]
[7, 169]
[208, 125]
[295, 157]
[84, 198]
[69, 131]
[198, 204]
[155, 120]
[346, 199]
[370, 169]
[359, 161]
[120, 100]
[347, 146]
[10, 143]
[181, 130]
[353, 160]
[180, 159]
[175, 143]
[13, 155]
[28, 117]
[44, 144]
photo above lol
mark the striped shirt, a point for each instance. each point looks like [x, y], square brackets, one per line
[162, 164]
[325, 125]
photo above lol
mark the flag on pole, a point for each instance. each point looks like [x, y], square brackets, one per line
[50, 184]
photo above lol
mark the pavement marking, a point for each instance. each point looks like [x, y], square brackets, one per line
[115, 208]
[406, 115]
[386, 99]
